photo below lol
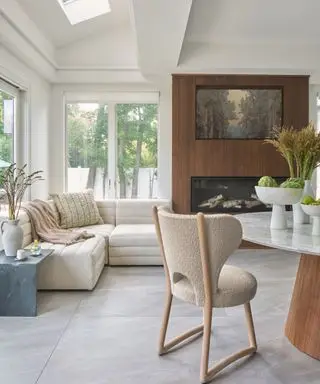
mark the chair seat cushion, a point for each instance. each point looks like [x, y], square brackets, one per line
[235, 287]
[128, 235]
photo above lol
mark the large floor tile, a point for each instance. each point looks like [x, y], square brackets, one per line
[110, 335]
[127, 277]
[14, 377]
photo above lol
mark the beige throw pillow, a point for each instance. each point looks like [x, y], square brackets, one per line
[77, 209]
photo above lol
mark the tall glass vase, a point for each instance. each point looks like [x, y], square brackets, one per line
[299, 217]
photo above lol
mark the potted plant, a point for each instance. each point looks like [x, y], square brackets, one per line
[301, 150]
[14, 181]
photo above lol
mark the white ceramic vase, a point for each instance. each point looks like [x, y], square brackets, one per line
[12, 237]
[299, 216]
[279, 198]
[278, 217]
[314, 212]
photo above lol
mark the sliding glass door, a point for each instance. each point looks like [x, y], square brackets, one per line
[87, 157]
[112, 148]
[137, 129]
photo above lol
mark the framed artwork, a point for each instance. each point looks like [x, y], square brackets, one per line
[237, 113]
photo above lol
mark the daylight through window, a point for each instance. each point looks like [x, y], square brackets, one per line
[112, 148]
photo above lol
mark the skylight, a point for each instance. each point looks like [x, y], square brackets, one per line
[78, 11]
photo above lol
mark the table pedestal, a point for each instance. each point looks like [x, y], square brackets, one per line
[303, 323]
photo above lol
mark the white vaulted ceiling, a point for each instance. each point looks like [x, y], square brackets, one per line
[50, 18]
[252, 36]
[159, 37]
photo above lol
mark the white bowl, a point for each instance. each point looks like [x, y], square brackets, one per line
[314, 211]
[278, 195]
[311, 210]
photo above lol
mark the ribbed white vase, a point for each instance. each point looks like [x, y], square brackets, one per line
[299, 217]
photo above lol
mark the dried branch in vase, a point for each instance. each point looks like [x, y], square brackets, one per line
[15, 182]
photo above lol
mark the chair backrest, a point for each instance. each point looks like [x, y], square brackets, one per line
[197, 252]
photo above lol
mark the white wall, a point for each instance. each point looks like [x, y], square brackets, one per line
[38, 98]
[115, 50]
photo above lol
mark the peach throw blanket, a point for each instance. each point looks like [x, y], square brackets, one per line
[44, 225]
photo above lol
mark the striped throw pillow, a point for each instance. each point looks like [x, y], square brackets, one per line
[77, 209]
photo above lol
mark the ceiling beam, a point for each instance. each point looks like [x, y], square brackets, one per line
[160, 28]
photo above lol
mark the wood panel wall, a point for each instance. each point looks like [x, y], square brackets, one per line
[191, 157]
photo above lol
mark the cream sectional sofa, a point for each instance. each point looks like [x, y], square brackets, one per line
[134, 241]
[126, 237]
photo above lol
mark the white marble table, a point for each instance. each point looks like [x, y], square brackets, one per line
[303, 322]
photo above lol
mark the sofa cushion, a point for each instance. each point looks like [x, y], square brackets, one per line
[103, 230]
[107, 210]
[137, 211]
[77, 209]
[137, 235]
[76, 266]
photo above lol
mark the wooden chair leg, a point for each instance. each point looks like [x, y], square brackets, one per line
[165, 347]
[207, 374]
[207, 321]
[250, 326]
[165, 321]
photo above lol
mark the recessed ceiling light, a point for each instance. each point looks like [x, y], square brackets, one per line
[78, 11]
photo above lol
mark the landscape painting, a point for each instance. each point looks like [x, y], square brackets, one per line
[237, 113]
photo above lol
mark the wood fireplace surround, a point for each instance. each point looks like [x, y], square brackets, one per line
[191, 157]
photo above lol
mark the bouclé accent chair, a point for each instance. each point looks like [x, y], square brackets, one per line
[195, 249]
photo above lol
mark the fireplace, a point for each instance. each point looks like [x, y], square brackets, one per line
[227, 194]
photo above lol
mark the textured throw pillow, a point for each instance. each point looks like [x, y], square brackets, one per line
[77, 209]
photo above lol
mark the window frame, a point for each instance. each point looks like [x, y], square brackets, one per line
[111, 99]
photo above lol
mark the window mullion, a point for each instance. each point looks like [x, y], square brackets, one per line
[112, 140]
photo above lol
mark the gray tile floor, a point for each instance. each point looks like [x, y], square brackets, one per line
[110, 335]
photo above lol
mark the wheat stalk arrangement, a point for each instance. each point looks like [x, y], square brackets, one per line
[15, 182]
[284, 142]
[300, 148]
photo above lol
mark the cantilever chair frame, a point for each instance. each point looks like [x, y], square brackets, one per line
[206, 373]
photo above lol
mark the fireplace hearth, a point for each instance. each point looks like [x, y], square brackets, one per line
[227, 194]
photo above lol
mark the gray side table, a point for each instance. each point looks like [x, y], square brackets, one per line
[18, 284]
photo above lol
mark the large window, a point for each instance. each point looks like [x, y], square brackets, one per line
[112, 148]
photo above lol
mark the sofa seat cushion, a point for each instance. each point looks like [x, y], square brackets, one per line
[77, 266]
[137, 235]
[103, 230]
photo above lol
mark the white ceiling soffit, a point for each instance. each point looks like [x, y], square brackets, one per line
[78, 11]
[160, 29]
[252, 36]
[254, 21]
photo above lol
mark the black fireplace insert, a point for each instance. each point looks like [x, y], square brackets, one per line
[227, 194]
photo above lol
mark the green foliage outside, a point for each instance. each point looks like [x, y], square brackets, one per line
[5, 139]
[136, 142]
